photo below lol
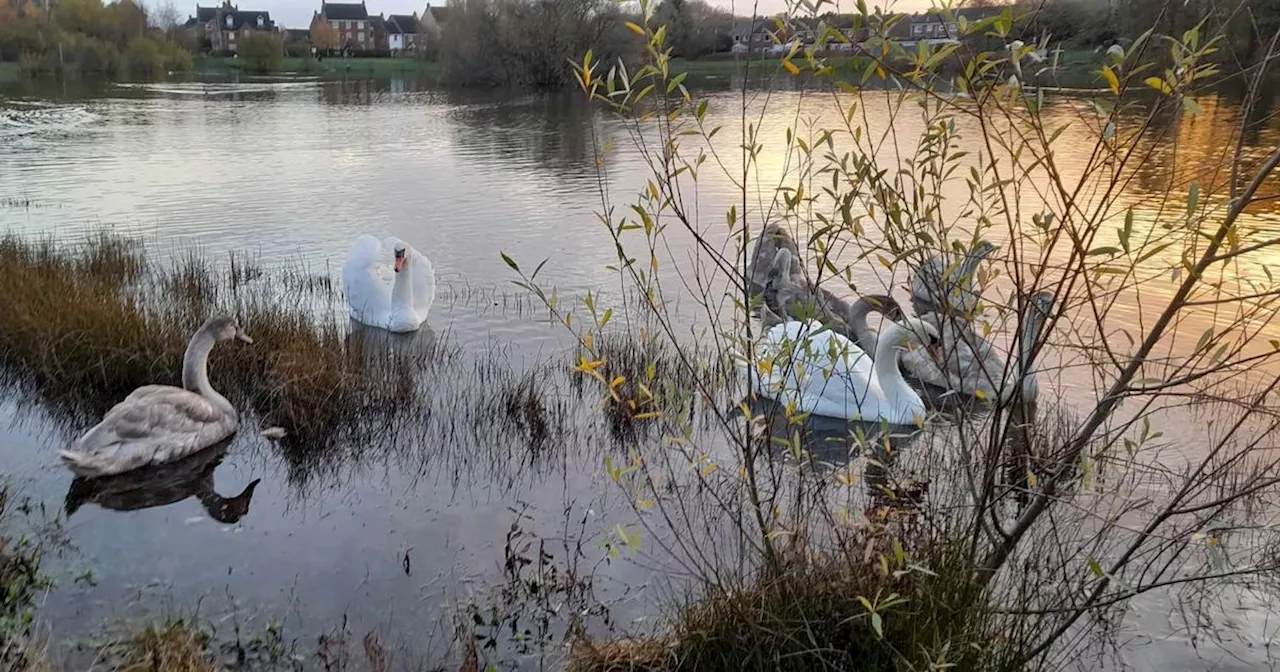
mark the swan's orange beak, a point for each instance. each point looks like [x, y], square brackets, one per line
[399, 260]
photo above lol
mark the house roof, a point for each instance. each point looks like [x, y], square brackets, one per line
[343, 11]
[440, 14]
[969, 14]
[743, 27]
[242, 18]
[204, 14]
[403, 24]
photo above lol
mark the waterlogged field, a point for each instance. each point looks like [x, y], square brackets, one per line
[470, 492]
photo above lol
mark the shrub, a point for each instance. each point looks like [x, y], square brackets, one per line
[177, 59]
[94, 56]
[261, 52]
[145, 58]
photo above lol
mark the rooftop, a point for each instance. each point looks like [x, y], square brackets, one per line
[343, 11]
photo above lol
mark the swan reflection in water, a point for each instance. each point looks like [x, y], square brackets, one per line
[162, 485]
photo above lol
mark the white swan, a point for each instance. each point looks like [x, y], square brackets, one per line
[971, 365]
[159, 423]
[825, 374]
[946, 286]
[788, 299]
[388, 284]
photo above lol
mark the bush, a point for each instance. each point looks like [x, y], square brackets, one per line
[20, 38]
[93, 56]
[177, 59]
[145, 58]
[261, 52]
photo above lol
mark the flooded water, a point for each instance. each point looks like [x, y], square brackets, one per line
[292, 172]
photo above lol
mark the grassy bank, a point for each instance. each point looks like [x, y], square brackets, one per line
[378, 67]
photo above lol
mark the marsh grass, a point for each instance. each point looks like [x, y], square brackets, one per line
[170, 647]
[89, 323]
[20, 582]
[869, 605]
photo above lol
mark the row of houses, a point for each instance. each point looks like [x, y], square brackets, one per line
[339, 26]
[758, 34]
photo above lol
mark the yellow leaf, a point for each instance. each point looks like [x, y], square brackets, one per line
[635, 28]
[1112, 80]
[1158, 84]
[791, 67]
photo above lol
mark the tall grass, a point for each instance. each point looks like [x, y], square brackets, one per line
[88, 323]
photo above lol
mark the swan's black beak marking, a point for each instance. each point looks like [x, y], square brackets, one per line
[399, 260]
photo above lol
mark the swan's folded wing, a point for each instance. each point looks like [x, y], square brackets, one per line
[424, 283]
[154, 424]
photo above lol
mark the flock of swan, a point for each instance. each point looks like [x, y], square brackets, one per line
[819, 352]
[821, 356]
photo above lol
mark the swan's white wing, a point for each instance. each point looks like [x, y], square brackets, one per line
[822, 371]
[154, 424]
[424, 284]
[368, 292]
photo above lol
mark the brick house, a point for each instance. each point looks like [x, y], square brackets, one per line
[350, 21]
[219, 28]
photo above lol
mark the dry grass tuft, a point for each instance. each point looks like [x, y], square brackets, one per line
[853, 609]
[623, 655]
[173, 647]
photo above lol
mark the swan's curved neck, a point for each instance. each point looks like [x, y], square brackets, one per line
[968, 266]
[402, 290]
[886, 367]
[1022, 367]
[858, 325]
[195, 369]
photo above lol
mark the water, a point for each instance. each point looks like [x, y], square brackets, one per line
[292, 172]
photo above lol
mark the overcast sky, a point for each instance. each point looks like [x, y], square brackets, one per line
[297, 13]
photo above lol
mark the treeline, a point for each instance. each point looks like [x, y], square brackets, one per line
[529, 43]
[1245, 25]
[88, 37]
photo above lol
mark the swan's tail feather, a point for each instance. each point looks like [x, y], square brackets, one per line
[87, 464]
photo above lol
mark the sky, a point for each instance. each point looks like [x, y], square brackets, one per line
[297, 13]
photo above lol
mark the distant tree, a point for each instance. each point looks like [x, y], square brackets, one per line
[323, 35]
[8, 13]
[262, 52]
[694, 28]
[165, 17]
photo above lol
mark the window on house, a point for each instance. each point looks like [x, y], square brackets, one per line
[230, 21]
[917, 30]
[260, 21]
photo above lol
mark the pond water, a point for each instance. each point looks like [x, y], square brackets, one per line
[292, 172]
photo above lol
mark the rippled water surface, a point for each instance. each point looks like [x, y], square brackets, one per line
[292, 172]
